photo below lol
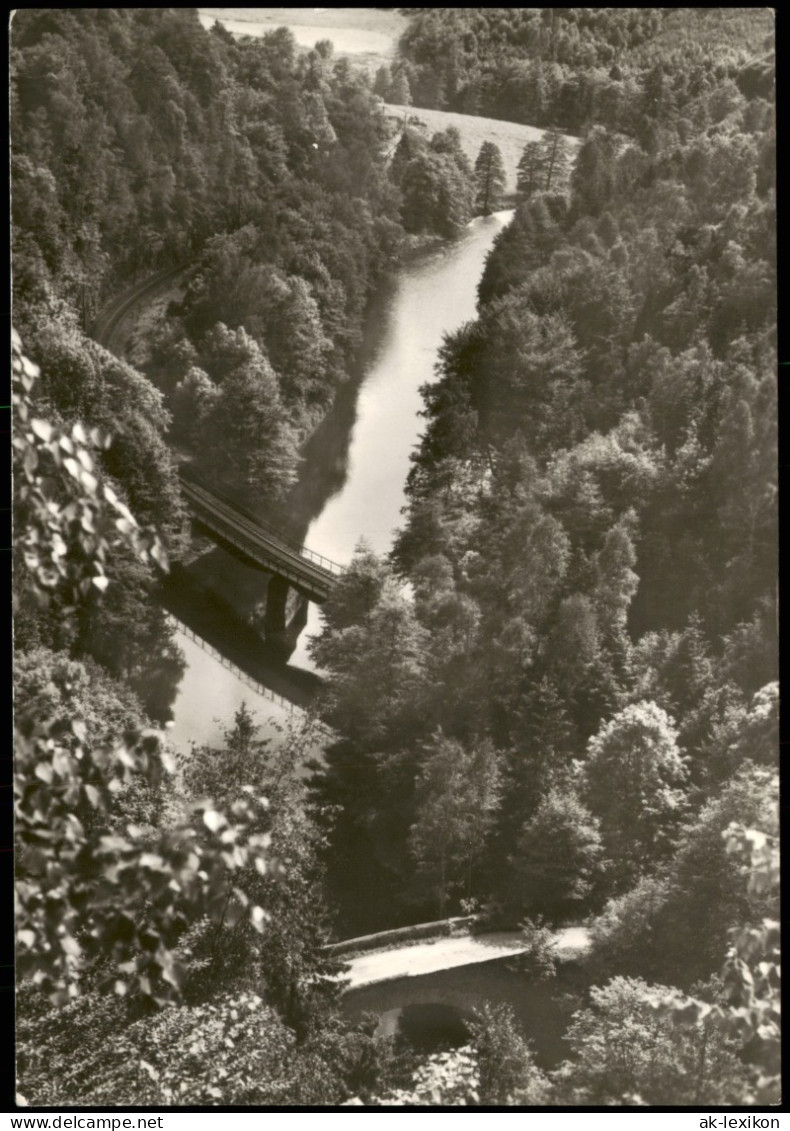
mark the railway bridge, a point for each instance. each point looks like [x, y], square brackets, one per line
[296, 574]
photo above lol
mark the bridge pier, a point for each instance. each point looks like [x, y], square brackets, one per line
[296, 575]
[285, 615]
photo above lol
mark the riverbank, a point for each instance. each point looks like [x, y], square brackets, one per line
[351, 484]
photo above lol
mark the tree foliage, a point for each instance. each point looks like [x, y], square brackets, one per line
[489, 178]
[556, 865]
[633, 781]
[627, 1054]
[571, 67]
[496, 1069]
[84, 890]
[560, 688]
[458, 791]
[436, 184]
[67, 517]
[154, 143]
[749, 1011]
[655, 930]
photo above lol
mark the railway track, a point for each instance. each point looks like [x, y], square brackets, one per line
[110, 317]
[311, 573]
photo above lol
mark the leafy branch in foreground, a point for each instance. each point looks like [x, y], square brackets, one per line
[751, 1011]
[66, 518]
[88, 890]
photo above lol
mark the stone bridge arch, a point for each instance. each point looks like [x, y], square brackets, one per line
[543, 1008]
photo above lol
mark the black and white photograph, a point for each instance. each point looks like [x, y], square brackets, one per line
[395, 560]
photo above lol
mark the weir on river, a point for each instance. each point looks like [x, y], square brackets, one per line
[360, 454]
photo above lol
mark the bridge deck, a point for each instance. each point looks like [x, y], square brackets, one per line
[310, 573]
[426, 957]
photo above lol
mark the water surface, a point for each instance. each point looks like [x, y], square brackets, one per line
[433, 297]
[352, 482]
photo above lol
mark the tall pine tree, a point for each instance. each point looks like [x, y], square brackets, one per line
[489, 178]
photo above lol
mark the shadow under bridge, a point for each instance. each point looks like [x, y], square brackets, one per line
[292, 567]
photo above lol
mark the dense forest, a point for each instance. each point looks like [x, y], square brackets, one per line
[143, 141]
[577, 67]
[580, 698]
[555, 702]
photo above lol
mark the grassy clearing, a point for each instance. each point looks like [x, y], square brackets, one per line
[367, 35]
[511, 137]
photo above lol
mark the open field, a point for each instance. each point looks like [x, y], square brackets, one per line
[511, 137]
[368, 35]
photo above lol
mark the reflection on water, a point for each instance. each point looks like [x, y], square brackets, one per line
[324, 471]
[352, 480]
[209, 699]
[432, 297]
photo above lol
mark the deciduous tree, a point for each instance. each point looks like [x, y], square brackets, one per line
[556, 863]
[634, 775]
[83, 892]
[626, 1054]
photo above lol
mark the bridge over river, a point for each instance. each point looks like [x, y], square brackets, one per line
[291, 574]
[351, 481]
[420, 957]
[311, 574]
[444, 970]
[308, 572]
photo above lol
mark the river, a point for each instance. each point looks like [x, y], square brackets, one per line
[359, 459]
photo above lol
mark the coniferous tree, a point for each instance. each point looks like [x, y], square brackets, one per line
[457, 790]
[382, 82]
[530, 169]
[399, 90]
[555, 159]
[489, 178]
